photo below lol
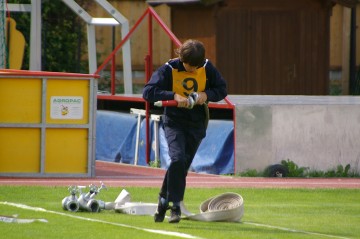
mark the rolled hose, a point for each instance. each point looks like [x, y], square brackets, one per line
[226, 207]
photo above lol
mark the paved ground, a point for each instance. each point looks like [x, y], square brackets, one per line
[122, 175]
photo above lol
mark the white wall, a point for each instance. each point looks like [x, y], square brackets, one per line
[320, 132]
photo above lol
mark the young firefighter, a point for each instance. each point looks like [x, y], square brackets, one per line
[184, 125]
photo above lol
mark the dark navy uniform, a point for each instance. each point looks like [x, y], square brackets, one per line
[184, 128]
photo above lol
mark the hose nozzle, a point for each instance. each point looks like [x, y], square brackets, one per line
[192, 99]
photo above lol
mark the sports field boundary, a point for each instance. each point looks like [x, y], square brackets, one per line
[165, 232]
[125, 175]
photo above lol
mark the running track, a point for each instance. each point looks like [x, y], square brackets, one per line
[122, 175]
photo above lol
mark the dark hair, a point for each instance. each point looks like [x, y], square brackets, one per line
[191, 52]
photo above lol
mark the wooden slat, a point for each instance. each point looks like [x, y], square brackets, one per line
[277, 51]
[186, 26]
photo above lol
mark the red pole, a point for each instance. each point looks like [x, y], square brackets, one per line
[148, 72]
[147, 108]
[113, 76]
[113, 53]
[150, 46]
[163, 25]
[234, 120]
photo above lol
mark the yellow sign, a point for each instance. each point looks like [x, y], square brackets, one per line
[66, 107]
[186, 82]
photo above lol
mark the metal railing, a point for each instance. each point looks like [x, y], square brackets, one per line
[150, 14]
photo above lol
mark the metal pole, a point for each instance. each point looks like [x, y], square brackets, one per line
[139, 114]
[136, 159]
[35, 36]
[113, 67]
[156, 119]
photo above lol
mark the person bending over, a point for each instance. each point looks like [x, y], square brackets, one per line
[192, 81]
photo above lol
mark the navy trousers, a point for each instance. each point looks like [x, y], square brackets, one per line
[183, 141]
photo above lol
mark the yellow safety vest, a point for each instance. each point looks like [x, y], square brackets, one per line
[186, 82]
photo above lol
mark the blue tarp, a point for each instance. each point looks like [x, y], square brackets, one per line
[112, 131]
[116, 142]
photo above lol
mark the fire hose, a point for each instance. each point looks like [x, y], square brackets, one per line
[192, 99]
[226, 207]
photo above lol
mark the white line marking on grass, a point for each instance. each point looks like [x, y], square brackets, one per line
[294, 230]
[162, 232]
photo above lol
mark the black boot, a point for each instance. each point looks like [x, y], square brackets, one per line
[160, 211]
[175, 215]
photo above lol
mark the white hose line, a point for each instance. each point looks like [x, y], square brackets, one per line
[226, 207]
[15, 219]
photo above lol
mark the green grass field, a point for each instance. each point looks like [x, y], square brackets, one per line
[269, 213]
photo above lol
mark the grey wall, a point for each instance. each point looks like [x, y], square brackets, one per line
[320, 132]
